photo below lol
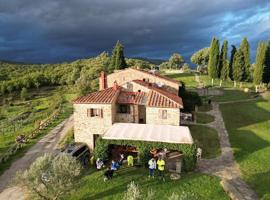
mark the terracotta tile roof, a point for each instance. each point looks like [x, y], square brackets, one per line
[132, 98]
[106, 96]
[156, 99]
[159, 97]
[158, 75]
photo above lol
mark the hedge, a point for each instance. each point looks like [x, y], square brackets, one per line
[189, 151]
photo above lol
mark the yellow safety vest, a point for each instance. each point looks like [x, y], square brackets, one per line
[161, 165]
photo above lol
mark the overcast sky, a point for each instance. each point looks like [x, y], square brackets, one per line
[47, 31]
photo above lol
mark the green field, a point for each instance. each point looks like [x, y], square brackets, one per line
[92, 186]
[207, 139]
[203, 118]
[232, 95]
[248, 125]
[187, 78]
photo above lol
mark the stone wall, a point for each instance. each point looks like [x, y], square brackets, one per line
[85, 127]
[129, 74]
[132, 117]
[153, 116]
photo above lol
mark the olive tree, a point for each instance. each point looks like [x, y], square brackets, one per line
[50, 177]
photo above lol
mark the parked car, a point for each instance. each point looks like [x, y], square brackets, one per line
[80, 151]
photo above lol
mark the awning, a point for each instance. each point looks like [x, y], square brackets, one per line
[149, 132]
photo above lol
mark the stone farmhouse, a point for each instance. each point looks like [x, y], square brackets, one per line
[131, 104]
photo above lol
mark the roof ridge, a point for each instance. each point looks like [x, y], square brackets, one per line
[159, 90]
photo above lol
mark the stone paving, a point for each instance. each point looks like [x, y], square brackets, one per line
[224, 166]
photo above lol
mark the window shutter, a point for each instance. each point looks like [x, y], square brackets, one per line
[101, 113]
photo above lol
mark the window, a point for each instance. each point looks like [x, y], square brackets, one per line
[95, 112]
[124, 109]
[162, 114]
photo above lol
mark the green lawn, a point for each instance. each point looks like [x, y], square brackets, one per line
[207, 139]
[187, 78]
[248, 125]
[93, 187]
[232, 95]
[205, 108]
[203, 118]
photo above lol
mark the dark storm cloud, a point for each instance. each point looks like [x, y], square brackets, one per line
[57, 30]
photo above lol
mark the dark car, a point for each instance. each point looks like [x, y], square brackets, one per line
[80, 151]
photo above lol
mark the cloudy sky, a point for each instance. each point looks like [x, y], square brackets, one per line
[47, 31]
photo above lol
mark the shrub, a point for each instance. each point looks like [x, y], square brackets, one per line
[190, 99]
[101, 149]
[133, 192]
[24, 94]
[50, 177]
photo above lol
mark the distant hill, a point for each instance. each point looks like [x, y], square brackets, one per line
[155, 61]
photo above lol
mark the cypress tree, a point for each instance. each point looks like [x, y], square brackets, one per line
[233, 52]
[259, 64]
[117, 60]
[224, 67]
[239, 66]
[213, 59]
[246, 51]
[266, 73]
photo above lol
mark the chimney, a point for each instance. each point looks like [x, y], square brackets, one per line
[102, 81]
[115, 85]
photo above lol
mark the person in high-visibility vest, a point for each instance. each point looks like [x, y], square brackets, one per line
[130, 160]
[161, 168]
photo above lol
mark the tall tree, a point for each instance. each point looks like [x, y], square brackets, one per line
[223, 63]
[176, 60]
[118, 59]
[233, 52]
[213, 59]
[259, 64]
[200, 57]
[239, 66]
[266, 72]
[246, 51]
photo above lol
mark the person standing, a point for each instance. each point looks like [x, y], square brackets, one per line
[161, 168]
[99, 164]
[130, 161]
[152, 167]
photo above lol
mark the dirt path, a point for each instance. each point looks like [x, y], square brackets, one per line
[225, 166]
[47, 144]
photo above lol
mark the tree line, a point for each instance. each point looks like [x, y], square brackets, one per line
[82, 74]
[238, 68]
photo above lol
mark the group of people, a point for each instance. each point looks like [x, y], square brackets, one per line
[159, 165]
[115, 165]
[153, 164]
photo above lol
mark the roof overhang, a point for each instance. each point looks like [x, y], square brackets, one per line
[149, 133]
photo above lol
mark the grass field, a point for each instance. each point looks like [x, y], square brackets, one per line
[205, 108]
[232, 95]
[248, 125]
[92, 186]
[203, 118]
[207, 139]
[187, 78]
